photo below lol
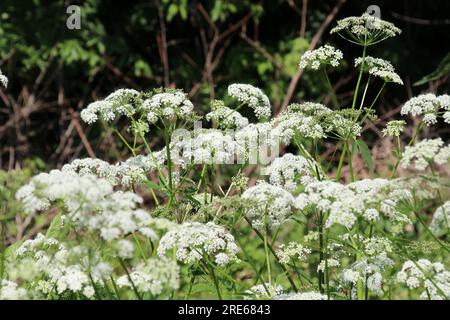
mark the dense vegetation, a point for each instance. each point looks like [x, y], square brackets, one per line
[351, 202]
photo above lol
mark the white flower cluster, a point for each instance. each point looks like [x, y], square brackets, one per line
[193, 241]
[263, 291]
[430, 106]
[9, 290]
[154, 276]
[286, 171]
[66, 270]
[310, 295]
[369, 270]
[3, 79]
[423, 153]
[345, 202]
[117, 103]
[226, 117]
[380, 68]
[271, 205]
[125, 173]
[440, 224]
[430, 277]
[253, 139]
[253, 97]
[168, 106]
[394, 128]
[209, 146]
[331, 263]
[321, 56]
[366, 29]
[293, 251]
[303, 119]
[90, 202]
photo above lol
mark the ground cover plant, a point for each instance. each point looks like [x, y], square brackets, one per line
[168, 223]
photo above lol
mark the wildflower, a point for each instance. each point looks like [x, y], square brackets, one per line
[305, 120]
[292, 251]
[332, 263]
[417, 275]
[423, 153]
[263, 291]
[226, 117]
[440, 224]
[209, 146]
[115, 211]
[132, 171]
[252, 143]
[9, 290]
[379, 68]
[251, 96]
[286, 170]
[345, 202]
[240, 181]
[153, 276]
[428, 105]
[394, 128]
[272, 205]
[167, 105]
[365, 30]
[193, 241]
[371, 214]
[125, 249]
[117, 103]
[321, 56]
[311, 295]
[3, 79]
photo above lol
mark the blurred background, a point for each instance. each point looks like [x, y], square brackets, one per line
[199, 46]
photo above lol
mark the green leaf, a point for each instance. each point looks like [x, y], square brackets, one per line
[172, 11]
[442, 70]
[366, 155]
[55, 227]
[154, 186]
[11, 249]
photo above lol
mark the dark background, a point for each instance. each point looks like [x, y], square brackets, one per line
[199, 46]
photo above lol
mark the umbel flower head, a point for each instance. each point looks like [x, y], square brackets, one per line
[430, 277]
[271, 205]
[153, 275]
[194, 241]
[394, 128]
[423, 153]
[440, 224]
[3, 79]
[379, 68]
[365, 30]
[287, 170]
[226, 117]
[167, 104]
[320, 57]
[117, 103]
[430, 106]
[253, 97]
[303, 119]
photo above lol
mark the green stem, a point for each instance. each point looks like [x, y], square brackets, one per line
[124, 267]
[341, 162]
[266, 251]
[332, 93]
[125, 142]
[355, 95]
[214, 278]
[350, 162]
[292, 283]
